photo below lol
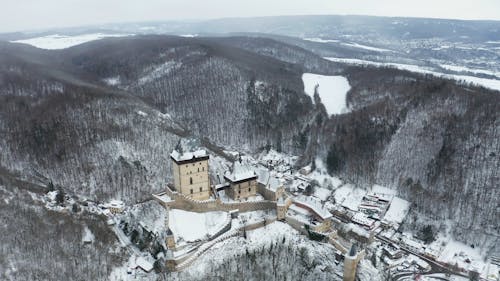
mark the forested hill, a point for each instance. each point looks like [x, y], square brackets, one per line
[99, 119]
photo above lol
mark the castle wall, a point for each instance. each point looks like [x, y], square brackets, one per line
[188, 204]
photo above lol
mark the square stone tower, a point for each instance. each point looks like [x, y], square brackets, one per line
[190, 171]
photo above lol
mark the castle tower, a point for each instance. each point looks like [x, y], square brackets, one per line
[170, 261]
[169, 236]
[281, 209]
[350, 264]
[190, 169]
[170, 239]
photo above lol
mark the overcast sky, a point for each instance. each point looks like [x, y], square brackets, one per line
[16, 15]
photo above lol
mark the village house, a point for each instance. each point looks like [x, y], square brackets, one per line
[190, 169]
[242, 182]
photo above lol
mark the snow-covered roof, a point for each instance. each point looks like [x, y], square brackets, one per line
[314, 205]
[118, 204]
[358, 230]
[362, 219]
[144, 264]
[274, 184]
[184, 156]
[241, 172]
[397, 210]
[322, 193]
[263, 175]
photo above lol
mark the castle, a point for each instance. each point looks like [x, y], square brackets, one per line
[191, 180]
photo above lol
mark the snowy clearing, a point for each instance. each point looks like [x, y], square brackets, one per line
[332, 91]
[485, 82]
[192, 226]
[56, 41]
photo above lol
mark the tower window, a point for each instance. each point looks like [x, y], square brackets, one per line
[190, 180]
[201, 189]
[191, 191]
[249, 189]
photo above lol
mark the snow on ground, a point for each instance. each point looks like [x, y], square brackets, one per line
[320, 174]
[322, 193]
[349, 196]
[458, 68]
[463, 255]
[276, 233]
[159, 71]
[320, 40]
[56, 41]
[192, 226]
[379, 189]
[370, 48]
[256, 216]
[397, 210]
[88, 236]
[485, 82]
[332, 91]
[112, 81]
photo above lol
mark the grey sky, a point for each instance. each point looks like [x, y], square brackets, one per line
[18, 15]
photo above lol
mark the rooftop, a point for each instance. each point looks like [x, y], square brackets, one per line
[184, 156]
[240, 172]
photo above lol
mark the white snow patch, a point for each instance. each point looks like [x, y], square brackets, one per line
[379, 189]
[332, 90]
[56, 41]
[88, 236]
[370, 48]
[112, 81]
[142, 113]
[459, 68]
[192, 226]
[320, 40]
[485, 82]
[463, 255]
[159, 71]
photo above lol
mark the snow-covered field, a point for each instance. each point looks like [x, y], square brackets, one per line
[332, 90]
[56, 41]
[192, 226]
[485, 82]
[320, 40]
[459, 68]
[369, 48]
